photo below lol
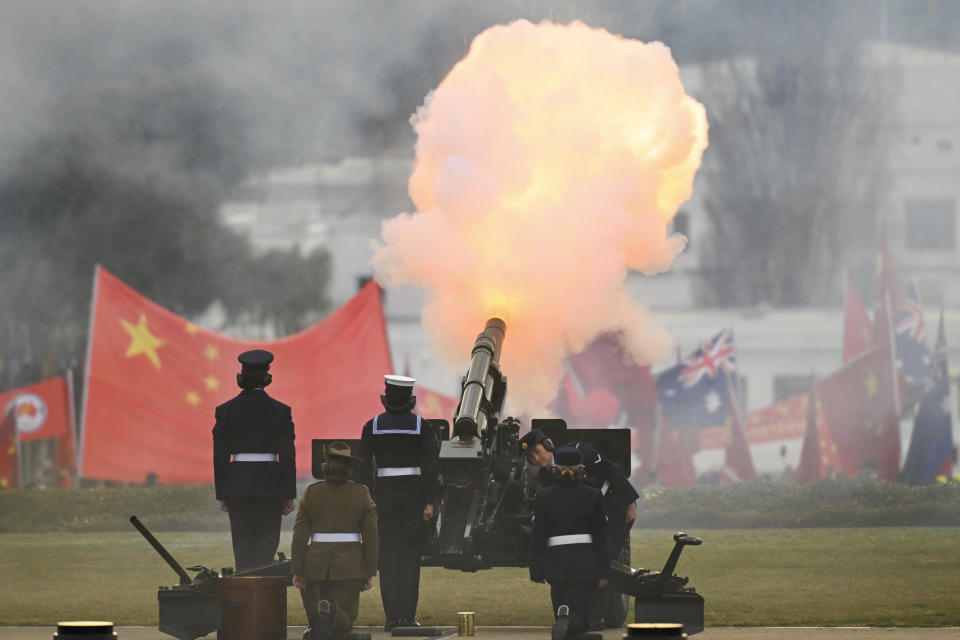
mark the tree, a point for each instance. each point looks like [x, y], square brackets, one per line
[131, 176]
[795, 174]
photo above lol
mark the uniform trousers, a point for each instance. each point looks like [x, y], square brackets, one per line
[578, 597]
[255, 529]
[618, 531]
[346, 593]
[402, 534]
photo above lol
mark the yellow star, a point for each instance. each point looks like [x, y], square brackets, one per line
[193, 398]
[12, 449]
[191, 328]
[211, 382]
[142, 341]
[871, 384]
[211, 352]
[4, 482]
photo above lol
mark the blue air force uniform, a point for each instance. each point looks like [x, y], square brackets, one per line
[254, 462]
[568, 543]
[399, 453]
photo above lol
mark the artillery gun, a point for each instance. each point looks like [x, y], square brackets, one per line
[485, 498]
[192, 608]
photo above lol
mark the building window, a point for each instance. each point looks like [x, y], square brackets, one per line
[929, 224]
[787, 386]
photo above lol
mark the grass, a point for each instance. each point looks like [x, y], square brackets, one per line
[883, 576]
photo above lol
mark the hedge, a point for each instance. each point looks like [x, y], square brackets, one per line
[858, 502]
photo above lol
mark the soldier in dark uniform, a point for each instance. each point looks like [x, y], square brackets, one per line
[338, 519]
[568, 544]
[399, 452]
[619, 498]
[253, 463]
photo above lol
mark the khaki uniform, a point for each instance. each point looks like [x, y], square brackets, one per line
[335, 570]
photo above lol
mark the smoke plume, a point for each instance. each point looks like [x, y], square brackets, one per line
[549, 163]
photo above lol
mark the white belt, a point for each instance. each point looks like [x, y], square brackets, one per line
[398, 471]
[336, 537]
[576, 538]
[605, 487]
[254, 457]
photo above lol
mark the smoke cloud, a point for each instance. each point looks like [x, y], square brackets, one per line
[549, 163]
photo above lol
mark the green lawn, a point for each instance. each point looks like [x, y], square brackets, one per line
[829, 577]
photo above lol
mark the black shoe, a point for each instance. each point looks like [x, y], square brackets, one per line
[562, 625]
[391, 624]
[408, 622]
[323, 624]
[597, 624]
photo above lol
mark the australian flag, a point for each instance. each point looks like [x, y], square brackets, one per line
[913, 360]
[693, 394]
[931, 444]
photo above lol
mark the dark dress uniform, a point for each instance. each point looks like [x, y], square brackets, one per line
[400, 462]
[568, 545]
[334, 547]
[254, 471]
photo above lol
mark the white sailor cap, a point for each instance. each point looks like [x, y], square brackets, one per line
[399, 381]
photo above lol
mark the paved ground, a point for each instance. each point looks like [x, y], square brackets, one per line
[543, 633]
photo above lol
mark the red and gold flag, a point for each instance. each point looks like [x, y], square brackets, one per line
[42, 411]
[154, 379]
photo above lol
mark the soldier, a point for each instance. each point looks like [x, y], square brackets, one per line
[254, 463]
[568, 544]
[339, 520]
[399, 452]
[619, 500]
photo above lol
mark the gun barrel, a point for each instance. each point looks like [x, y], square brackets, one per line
[471, 419]
[159, 548]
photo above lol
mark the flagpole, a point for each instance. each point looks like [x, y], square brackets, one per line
[16, 438]
[71, 415]
[86, 371]
[893, 356]
[655, 460]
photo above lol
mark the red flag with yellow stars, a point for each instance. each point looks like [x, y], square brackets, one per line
[154, 379]
[858, 403]
[432, 404]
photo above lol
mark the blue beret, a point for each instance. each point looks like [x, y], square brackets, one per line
[530, 441]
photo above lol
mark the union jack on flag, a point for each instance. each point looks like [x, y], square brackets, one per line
[913, 358]
[693, 393]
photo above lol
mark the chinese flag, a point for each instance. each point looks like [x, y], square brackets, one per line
[781, 421]
[857, 329]
[819, 457]
[9, 452]
[858, 403]
[674, 465]
[153, 380]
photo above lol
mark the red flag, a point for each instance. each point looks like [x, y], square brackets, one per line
[153, 380]
[674, 466]
[737, 462]
[858, 406]
[9, 452]
[781, 421]
[857, 329]
[810, 468]
[41, 410]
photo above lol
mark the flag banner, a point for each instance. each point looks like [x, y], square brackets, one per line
[781, 421]
[9, 452]
[674, 466]
[858, 403]
[931, 443]
[912, 357]
[41, 410]
[737, 462]
[857, 327]
[154, 379]
[693, 394]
